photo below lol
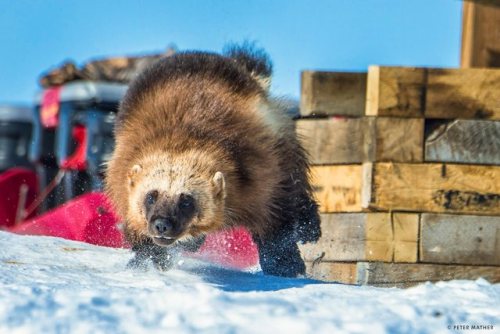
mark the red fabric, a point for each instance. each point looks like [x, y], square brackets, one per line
[10, 185]
[87, 218]
[49, 111]
[232, 248]
[78, 160]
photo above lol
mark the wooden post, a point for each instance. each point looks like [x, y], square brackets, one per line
[480, 34]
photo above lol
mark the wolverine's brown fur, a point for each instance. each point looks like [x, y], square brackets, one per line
[193, 115]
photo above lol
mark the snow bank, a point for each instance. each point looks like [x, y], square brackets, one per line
[50, 285]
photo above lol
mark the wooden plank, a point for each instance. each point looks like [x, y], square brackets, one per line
[460, 239]
[395, 91]
[332, 93]
[463, 93]
[480, 34]
[357, 140]
[333, 140]
[429, 187]
[365, 237]
[433, 93]
[342, 272]
[398, 274]
[376, 273]
[337, 188]
[397, 140]
[432, 187]
[405, 228]
[391, 237]
[468, 29]
[463, 141]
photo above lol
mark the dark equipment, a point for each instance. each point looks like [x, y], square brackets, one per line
[74, 134]
[16, 124]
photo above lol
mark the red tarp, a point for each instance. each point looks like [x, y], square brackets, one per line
[89, 218]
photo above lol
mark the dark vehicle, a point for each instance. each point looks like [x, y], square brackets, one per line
[74, 133]
[16, 124]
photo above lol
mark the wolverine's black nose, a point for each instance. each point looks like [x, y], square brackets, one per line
[163, 226]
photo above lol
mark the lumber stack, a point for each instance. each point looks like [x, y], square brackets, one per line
[406, 169]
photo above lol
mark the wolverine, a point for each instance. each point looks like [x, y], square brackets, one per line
[201, 146]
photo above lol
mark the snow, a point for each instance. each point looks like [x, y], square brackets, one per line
[51, 285]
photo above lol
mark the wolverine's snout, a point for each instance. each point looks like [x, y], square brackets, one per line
[169, 227]
[165, 230]
[164, 226]
[168, 217]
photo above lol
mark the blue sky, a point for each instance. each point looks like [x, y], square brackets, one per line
[343, 35]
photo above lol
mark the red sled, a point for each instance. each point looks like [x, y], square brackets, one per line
[18, 188]
[87, 218]
[90, 218]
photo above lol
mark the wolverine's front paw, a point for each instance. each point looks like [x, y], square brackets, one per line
[162, 258]
[137, 263]
[163, 263]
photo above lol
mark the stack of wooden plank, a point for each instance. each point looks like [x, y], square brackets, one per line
[406, 169]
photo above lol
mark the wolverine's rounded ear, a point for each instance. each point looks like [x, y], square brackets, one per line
[132, 174]
[219, 185]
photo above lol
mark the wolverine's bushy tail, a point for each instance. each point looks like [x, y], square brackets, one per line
[253, 59]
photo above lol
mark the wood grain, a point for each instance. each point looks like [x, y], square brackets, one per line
[480, 34]
[396, 139]
[332, 93]
[356, 140]
[398, 274]
[377, 273]
[460, 239]
[337, 188]
[463, 93]
[365, 237]
[395, 91]
[463, 141]
[432, 187]
[342, 272]
[433, 93]
[333, 140]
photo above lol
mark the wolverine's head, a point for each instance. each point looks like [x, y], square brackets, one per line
[174, 199]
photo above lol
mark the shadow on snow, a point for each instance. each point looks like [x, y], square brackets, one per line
[239, 281]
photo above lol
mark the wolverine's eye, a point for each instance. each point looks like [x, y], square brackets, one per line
[151, 197]
[186, 202]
